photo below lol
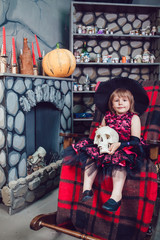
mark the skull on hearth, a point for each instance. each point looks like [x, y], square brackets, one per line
[37, 156]
[104, 137]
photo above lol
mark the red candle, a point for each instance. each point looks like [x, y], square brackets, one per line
[38, 48]
[33, 55]
[4, 42]
[13, 51]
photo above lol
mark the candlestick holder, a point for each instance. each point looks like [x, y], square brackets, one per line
[40, 67]
[35, 70]
[3, 64]
[39, 63]
[14, 68]
[43, 72]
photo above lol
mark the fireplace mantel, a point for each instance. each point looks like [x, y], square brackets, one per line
[35, 76]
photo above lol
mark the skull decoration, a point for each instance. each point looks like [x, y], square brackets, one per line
[104, 137]
[37, 156]
[36, 161]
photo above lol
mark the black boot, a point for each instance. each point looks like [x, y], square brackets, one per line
[87, 194]
[111, 205]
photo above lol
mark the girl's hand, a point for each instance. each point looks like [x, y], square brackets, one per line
[99, 127]
[114, 147]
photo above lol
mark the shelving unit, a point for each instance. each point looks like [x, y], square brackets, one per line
[121, 18]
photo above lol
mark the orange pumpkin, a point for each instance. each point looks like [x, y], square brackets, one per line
[59, 63]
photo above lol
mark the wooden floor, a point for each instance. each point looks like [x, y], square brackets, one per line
[17, 226]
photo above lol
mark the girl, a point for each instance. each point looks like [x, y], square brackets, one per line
[120, 100]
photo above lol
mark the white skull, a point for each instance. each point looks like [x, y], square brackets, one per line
[38, 155]
[104, 137]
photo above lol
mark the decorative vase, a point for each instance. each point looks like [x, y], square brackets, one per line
[26, 61]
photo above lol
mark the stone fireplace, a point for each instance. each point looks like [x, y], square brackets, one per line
[33, 111]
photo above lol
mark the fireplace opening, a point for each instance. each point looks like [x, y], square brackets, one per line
[42, 130]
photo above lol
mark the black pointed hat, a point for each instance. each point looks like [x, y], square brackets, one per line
[105, 89]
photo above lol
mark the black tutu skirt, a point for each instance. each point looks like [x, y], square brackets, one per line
[86, 153]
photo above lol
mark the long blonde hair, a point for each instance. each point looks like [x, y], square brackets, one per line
[121, 92]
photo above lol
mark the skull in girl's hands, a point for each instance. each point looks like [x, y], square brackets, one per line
[104, 137]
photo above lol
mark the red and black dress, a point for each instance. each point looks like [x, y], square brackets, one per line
[130, 157]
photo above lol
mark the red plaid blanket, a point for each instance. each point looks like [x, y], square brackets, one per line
[150, 120]
[132, 219]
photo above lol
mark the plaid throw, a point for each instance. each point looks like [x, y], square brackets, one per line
[132, 219]
[150, 120]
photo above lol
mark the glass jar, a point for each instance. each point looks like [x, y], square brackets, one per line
[79, 29]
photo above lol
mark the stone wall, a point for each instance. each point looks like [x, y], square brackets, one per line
[120, 23]
[49, 20]
[105, 44]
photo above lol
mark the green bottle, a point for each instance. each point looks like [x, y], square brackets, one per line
[85, 54]
[84, 49]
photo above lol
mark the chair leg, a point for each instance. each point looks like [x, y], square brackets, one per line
[49, 221]
[37, 222]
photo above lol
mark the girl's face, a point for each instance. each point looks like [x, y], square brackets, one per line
[120, 104]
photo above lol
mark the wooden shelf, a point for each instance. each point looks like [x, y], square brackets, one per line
[83, 92]
[118, 64]
[116, 36]
[82, 119]
[114, 8]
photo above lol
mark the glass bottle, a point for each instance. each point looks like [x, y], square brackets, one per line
[84, 49]
[85, 53]
[95, 29]
[26, 61]
[98, 58]
[87, 82]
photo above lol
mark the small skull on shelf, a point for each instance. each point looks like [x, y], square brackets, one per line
[104, 137]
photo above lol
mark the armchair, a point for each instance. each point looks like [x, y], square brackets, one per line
[89, 221]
